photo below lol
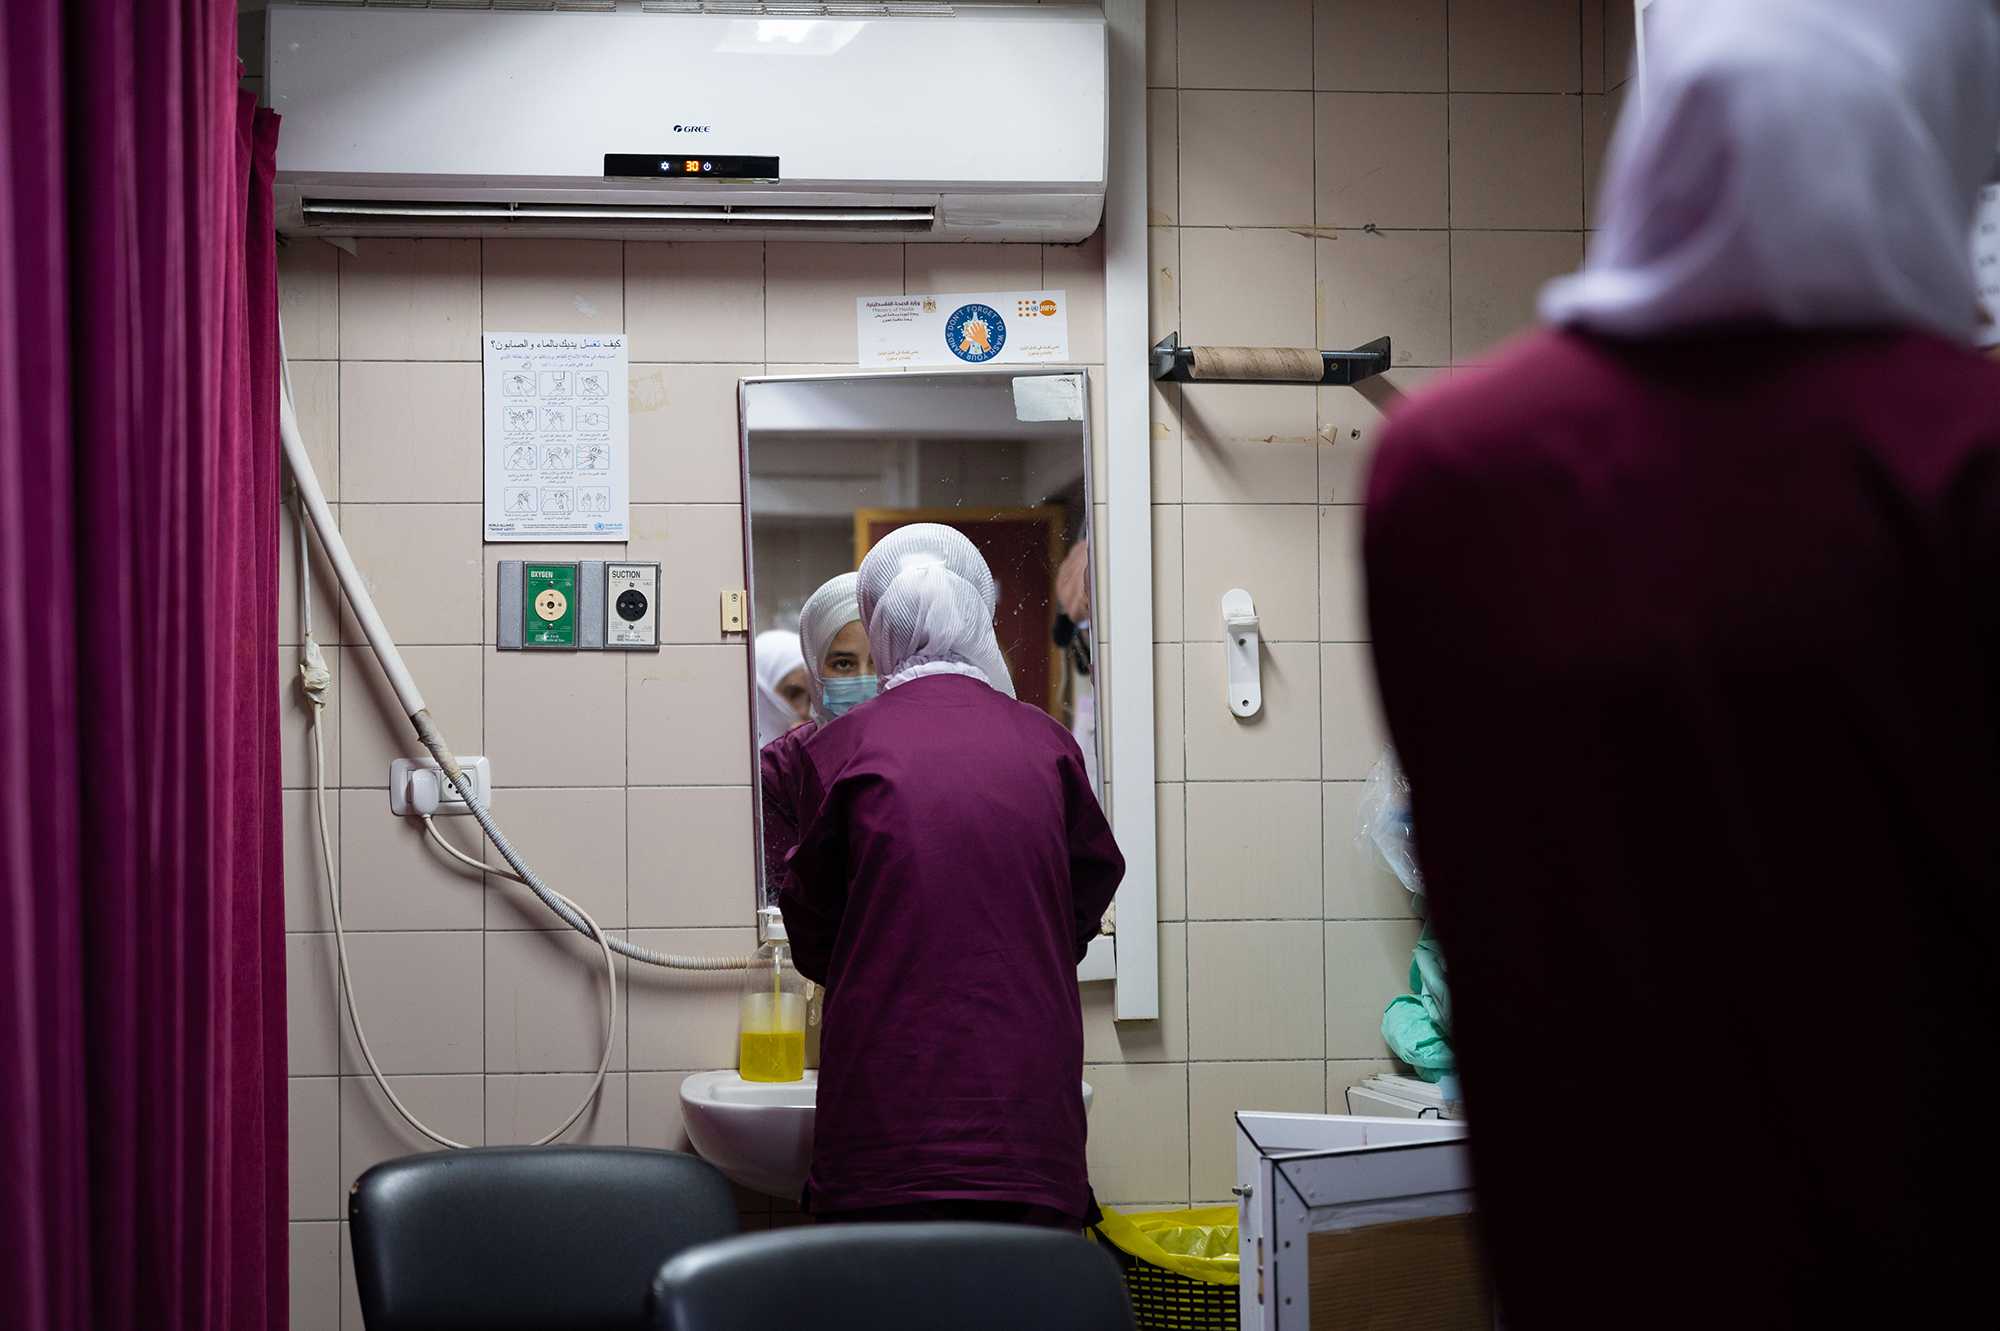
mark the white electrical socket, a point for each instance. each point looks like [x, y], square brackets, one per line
[449, 802]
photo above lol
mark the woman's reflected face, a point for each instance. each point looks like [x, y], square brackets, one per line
[792, 688]
[848, 655]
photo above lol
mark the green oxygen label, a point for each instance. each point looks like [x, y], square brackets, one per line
[549, 618]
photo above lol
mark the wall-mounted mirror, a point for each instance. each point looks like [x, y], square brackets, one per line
[832, 464]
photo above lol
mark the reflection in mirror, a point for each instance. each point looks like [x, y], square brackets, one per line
[834, 464]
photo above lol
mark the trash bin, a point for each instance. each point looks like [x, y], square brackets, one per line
[1180, 1266]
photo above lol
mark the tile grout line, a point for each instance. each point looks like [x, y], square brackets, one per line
[485, 884]
[1187, 939]
[1583, 116]
[1319, 600]
[1451, 233]
[340, 730]
[339, 606]
[625, 704]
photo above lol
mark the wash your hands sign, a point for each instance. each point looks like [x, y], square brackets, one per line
[558, 435]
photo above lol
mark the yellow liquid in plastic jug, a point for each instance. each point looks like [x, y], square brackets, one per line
[772, 1056]
[774, 1037]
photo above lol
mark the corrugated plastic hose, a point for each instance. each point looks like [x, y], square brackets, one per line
[314, 679]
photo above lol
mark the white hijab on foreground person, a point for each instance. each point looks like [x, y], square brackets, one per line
[825, 613]
[927, 599]
[1810, 163]
[778, 655]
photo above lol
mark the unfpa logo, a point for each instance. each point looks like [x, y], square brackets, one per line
[975, 333]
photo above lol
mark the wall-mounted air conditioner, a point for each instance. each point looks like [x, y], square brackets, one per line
[688, 119]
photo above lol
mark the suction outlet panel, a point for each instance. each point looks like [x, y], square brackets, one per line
[631, 607]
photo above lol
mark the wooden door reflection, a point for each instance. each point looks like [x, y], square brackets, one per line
[1022, 547]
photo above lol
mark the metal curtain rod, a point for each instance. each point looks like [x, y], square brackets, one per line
[1172, 361]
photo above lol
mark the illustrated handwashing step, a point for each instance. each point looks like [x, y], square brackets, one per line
[758, 1133]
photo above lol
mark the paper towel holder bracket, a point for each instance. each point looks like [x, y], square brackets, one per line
[1240, 636]
[1174, 362]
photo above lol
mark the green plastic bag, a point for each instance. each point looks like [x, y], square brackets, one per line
[1199, 1244]
[1417, 1025]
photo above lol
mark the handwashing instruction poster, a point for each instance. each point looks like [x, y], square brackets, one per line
[983, 328]
[558, 431]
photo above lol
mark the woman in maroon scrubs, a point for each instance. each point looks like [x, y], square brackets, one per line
[1686, 615]
[952, 867]
[840, 673]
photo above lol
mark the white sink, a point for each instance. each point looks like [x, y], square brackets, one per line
[758, 1133]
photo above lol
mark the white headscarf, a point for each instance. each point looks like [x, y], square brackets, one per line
[927, 599]
[827, 611]
[1813, 163]
[778, 655]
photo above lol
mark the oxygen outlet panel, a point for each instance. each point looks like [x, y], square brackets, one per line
[550, 614]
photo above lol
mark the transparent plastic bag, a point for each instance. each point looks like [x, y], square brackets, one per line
[1382, 822]
[1417, 1025]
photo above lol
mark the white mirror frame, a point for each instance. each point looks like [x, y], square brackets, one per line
[1102, 961]
[1639, 8]
[1128, 544]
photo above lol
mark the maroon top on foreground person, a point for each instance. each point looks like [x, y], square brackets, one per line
[1691, 649]
[952, 866]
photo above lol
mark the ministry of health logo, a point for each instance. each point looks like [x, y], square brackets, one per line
[975, 333]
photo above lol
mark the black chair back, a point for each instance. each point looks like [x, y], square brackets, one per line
[527, 1238]
[965, 1277]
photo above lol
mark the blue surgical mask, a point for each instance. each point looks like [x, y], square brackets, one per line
[837, 693]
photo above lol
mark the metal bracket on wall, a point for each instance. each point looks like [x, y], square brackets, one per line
[1212, 365]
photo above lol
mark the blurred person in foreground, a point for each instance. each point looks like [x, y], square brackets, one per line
[1686, 613]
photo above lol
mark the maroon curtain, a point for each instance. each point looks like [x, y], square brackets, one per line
[142, 1028]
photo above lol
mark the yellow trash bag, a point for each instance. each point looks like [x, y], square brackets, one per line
[1199, 1244]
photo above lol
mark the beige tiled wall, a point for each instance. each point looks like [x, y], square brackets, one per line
[624, 777]
[1281, 131]
[1323, 172]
